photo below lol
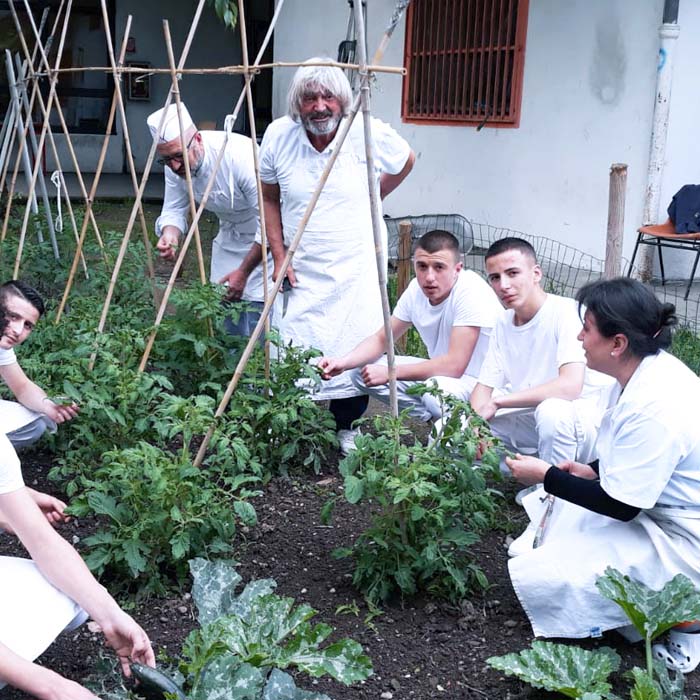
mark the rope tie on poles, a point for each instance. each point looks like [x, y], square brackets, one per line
[56, 179]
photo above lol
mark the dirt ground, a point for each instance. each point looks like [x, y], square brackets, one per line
[420, 649]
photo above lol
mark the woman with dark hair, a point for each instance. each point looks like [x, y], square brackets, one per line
[637, 507]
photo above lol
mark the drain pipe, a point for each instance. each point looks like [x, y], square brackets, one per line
[668, 34]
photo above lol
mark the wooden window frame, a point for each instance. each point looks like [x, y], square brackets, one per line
[453, 92]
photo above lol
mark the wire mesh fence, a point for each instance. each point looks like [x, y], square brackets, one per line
[565, 268]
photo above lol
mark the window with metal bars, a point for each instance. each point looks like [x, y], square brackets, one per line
[464, 61]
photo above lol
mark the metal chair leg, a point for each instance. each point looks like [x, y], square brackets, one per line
[661, 265]
[634, 254]
[692, 274]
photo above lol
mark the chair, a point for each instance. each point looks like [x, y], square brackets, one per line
[665, 236]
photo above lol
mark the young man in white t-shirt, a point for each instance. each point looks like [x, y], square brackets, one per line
[453, 311]
[534, 388]
[24, 422]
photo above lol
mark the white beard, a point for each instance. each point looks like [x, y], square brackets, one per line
[321, 129]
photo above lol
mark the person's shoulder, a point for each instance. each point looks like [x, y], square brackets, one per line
[7, 357]
[281, 127]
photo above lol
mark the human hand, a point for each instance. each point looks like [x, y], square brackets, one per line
[578, 469]
[291, 275]
[488, 410]
[375, 375]
[60, 687]
[60, 413]
[130, 643]
[236, 281]
[330, 367]
[52, 508]
[168, 243]
[527, 470]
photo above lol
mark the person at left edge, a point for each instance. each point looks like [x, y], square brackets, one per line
[235, 255]
[24, 421]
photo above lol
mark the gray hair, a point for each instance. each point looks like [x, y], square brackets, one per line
[323, 78]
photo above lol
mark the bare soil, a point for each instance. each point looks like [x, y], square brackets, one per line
[420, 648]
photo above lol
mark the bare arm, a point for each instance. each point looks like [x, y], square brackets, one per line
[567, 386]
[273, 226]
[388, 182]
[63, 567]
[34, 397]
[368, 350]
[481, 401]
[237, 278]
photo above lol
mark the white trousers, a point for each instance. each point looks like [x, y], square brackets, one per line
[424, 407]
[22, 426]
[556, 430]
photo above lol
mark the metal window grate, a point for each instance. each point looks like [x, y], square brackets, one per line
[464, 61]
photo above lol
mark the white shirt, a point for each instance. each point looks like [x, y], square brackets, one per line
[286, 147]
[233, 198]
[526, 356]
[649, 440]
[7, 357]
[10, 470]
[471, 302]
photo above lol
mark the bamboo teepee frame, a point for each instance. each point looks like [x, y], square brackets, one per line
[248, 71]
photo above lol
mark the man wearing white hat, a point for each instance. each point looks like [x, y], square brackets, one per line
[233, 198]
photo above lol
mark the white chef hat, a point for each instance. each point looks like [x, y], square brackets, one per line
[171, 128]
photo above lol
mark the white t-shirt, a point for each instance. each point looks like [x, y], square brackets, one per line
[522, 357]
[10, 469]
[471, 302]
[649, 440]
[7, 357]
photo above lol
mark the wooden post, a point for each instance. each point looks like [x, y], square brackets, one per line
[616, 220]
[403, 273]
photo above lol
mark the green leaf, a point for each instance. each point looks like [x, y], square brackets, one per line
[134, 551]
[354, 489]
[246, 512]
[213, 588]
[652, 612]
[569, 670]
[644, 687]
[226, 678]
[281, 686]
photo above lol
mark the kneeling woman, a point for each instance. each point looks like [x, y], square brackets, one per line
[637, 508]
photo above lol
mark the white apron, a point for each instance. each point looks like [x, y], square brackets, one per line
[555, 583]
[336, 303]
[33, 612]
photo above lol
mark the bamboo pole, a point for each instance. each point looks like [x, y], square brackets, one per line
[403, 273]
[139, 195]
[52, 94]
[374, 208]
[95, 182]
[185, 153]
[282, 273]
[256, 164]
[127, 140]
[46, 110]
[200, 210]
[23, 136]
[236, 70]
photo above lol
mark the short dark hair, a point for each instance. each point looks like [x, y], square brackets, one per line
[437, 240]
[626, 306]
[21, 289]
[503, 245]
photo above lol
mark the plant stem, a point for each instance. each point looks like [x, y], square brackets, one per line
[650, 664]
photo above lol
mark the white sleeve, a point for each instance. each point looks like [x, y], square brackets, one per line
[569, 347]
[391, 150]
[7, 357]
[10, 470]
[644, 454]
[493, 372]
[404, 306]
[175, 204]
[268, 147]
[472, 305]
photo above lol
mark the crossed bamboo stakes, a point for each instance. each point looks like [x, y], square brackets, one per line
[116, 68]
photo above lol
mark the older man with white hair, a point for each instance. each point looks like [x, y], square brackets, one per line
[334, 301]
[233, 198]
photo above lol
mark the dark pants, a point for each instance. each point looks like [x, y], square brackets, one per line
[346, 411]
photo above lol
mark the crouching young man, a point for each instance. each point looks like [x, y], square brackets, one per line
[453, 311]
[24, 422]
[534, 387]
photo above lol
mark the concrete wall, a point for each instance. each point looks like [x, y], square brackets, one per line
[588, 99]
